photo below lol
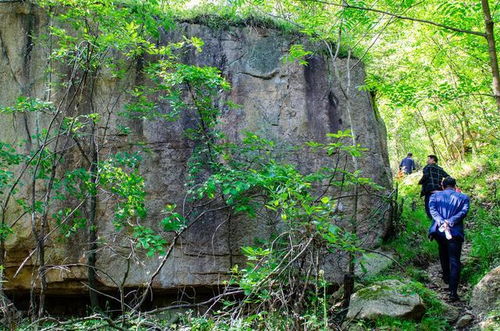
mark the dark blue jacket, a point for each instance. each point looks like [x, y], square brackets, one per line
[448, 205]
[407, 165]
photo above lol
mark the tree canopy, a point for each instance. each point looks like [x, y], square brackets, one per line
[429, 64]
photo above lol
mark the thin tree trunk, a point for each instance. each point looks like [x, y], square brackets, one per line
[446, 144]
[42, 275]
[461, 132]
[92, 226]
[3, 298]
[433, 145]
[469, 133]
[44, 226]
[492, 51]
[6, 305]
[453, 124]
[349, 275]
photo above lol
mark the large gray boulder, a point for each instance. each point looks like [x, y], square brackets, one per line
[283, 101]
[486, 295]
[390, 298]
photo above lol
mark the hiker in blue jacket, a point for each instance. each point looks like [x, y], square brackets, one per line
[407, 165]
[448, 209]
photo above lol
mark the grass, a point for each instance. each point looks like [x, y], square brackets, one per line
[224, 17]
[411, 243]
[479, 179]
[485, 239]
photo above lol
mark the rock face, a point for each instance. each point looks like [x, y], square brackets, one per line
[372, 264]
[486, 294]
[386, 298]
[287, 102]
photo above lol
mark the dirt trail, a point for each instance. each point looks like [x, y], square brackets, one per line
[436, 284]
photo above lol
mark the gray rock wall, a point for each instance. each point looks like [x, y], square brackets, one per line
[485, 298]
[287, 102]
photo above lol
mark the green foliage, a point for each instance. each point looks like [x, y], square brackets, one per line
[433, 317]
[29, 105]
[69, 221]
[127, 26]
[297, 53]
[149, 240]
[441, 101]
[119, 176]
[117, 33]
[127, 184]
[173, 221]
[91, 38]
[430, 323]
[224, 17]
[254, 180]
[5, 231]
[485, 237]
[411, 242]
[431, 81]
[9, 158]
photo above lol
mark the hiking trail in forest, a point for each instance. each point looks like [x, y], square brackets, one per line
[436, 284]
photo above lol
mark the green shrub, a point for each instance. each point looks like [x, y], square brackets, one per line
[411, 243]
[485, 240]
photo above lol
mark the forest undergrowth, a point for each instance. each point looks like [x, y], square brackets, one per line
[412, 249]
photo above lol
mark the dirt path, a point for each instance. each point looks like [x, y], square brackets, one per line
[436, 284]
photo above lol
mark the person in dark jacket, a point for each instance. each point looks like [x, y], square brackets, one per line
[407, 165]
[431, 180]
[448, 209]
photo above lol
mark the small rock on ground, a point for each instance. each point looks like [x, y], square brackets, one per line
[464, 321]
[451, 313]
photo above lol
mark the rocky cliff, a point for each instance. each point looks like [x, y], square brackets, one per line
[290, 103]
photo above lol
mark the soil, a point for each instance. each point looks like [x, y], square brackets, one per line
[464, 290]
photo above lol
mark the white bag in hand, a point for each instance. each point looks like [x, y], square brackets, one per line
[446, 229]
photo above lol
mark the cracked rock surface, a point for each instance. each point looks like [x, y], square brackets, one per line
[286, 102]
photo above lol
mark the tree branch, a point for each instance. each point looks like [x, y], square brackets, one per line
[406, 18]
